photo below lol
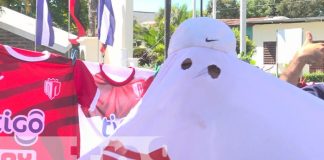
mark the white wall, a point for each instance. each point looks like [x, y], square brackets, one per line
[267, 32]
[288, 43]
[90, 47]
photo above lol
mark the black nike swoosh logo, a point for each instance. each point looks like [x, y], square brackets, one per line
[211, 40]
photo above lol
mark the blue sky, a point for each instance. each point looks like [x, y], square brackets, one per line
[154, 5]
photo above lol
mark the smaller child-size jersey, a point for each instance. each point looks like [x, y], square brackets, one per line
[117, 91]
[38, 105]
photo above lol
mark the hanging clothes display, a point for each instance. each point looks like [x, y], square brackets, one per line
[118, 90]
[38, 104]
[52, 109]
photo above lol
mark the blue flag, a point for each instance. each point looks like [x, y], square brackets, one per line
[44, 27]
[106, 22]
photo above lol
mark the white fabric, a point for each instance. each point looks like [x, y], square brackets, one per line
[244, 114]
[105, 22]
[46, 28]
[193, 34]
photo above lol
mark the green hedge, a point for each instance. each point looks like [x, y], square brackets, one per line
[314, 77]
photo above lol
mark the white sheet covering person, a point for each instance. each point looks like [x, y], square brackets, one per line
[205, 104]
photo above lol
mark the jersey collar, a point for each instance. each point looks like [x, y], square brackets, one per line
[45, 55]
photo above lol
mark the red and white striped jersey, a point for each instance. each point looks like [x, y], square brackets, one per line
[38, 105]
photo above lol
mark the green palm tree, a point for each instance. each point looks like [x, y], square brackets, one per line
[153, 36]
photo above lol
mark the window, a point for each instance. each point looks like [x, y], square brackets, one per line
[269, 52]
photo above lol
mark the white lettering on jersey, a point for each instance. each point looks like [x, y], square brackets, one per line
[138, 89]
[25, 128]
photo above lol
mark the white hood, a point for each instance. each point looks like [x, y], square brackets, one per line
[242, 113]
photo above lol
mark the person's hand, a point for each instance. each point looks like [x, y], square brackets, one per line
[311, 53]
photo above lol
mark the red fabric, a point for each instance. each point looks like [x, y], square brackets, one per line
[302, 82]
[74, 41]
[74, 9]
[103, 48]
[119, 149]
[118, 99]
[75, 13]
[47, 86]
[115, 97]
[86, 92]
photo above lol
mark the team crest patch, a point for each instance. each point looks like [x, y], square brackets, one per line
[52, 88]
[138, 89]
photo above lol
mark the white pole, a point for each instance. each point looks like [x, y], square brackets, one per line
[214, 9]
[167, 14]
[69, 19]
[35, 46]
[194, 8]
[101, 58]
[243, 26]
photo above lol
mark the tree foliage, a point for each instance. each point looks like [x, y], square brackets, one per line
[250, 47]
[151, 52]
[300, 8]
[226, 9]
[260, 8]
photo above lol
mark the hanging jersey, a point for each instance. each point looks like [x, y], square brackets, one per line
[38, 105]
[118, 90]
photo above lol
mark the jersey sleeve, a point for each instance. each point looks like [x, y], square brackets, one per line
[86, 88]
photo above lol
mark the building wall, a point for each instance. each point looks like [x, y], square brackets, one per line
[11, 39]
[142, 17]
[267, 32]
